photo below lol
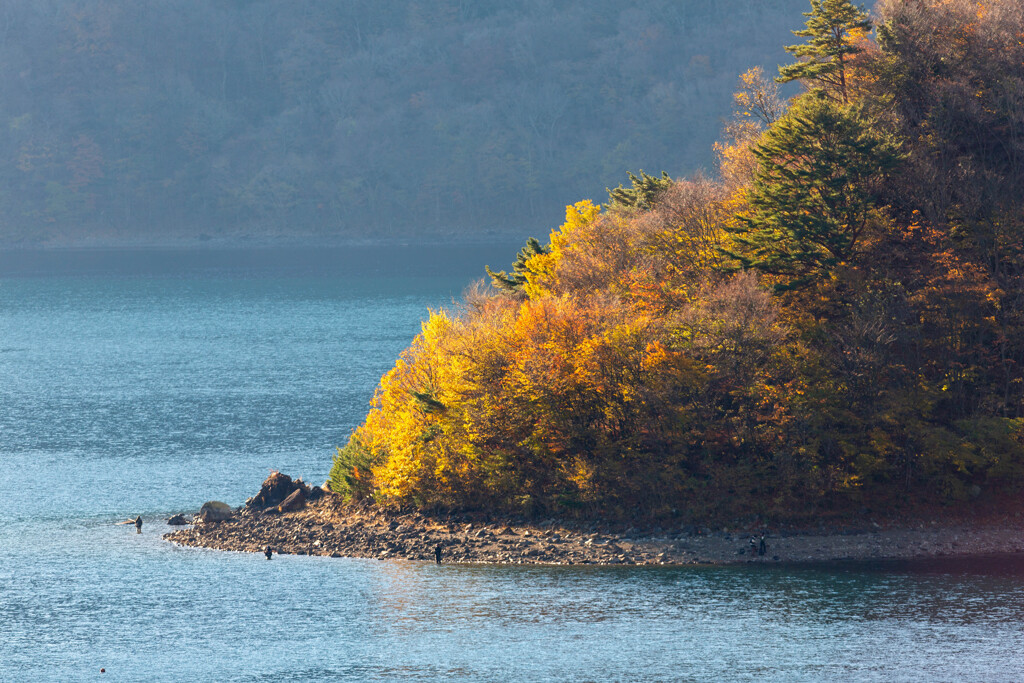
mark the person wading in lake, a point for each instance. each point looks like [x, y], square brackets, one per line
[138, 524]
[437, 553]
[268, 552]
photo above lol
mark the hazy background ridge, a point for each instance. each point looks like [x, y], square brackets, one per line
[155, 122]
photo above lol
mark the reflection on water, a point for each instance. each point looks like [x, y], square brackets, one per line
[146, 391]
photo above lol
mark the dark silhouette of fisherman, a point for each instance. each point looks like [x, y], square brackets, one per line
[138, 524]
[762, 547]
[268, 552]
[438, 552]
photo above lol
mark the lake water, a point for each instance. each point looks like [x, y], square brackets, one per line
[145, 382]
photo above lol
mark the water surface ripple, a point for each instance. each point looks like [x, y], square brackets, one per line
[146, 382]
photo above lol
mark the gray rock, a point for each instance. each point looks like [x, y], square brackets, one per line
[215, 511]
[177, 520]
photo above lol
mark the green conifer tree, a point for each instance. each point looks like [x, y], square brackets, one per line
[643, 194]
[813, 191]
[512, 283]
[823, 58]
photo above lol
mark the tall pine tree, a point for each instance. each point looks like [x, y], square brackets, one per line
[813, 191]
[823, 59]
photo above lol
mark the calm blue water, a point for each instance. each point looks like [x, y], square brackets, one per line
[148, 382]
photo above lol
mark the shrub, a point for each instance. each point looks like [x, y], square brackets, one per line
[351, 473]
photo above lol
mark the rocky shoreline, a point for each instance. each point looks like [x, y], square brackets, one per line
[314, 522]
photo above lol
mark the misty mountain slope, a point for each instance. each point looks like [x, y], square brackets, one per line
[147, 121]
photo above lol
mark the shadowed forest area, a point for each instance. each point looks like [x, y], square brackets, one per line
[143, 121]
[832, 325]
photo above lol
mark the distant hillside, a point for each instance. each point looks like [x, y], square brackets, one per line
[154, 121]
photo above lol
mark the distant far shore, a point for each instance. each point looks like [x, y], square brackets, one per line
[326, 526]
[265, 242]
[464, 259]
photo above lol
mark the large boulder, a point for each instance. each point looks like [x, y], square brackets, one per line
[214, 511]
[275, 490]
[295, 501]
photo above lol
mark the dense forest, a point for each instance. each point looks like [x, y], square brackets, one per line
[833, 322]
[146, 121]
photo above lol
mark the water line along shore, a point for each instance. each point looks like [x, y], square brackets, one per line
[328, 527]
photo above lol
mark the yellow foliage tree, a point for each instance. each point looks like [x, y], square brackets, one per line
[541, 278]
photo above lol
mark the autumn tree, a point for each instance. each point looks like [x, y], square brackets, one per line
[832, 28]
[952, 73]
[758, 98]
[758, 104]
[684, 234]
[813, 191]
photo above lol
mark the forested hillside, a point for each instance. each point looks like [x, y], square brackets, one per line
[833, 323]
[155, 121]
